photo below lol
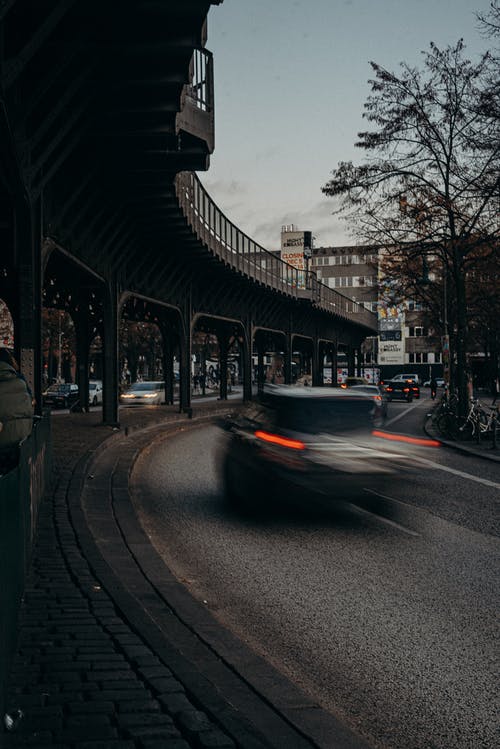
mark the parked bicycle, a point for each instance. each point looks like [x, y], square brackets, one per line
[479, 422]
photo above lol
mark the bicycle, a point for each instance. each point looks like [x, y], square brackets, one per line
[444, 415]
[488, 424]
[477, 422]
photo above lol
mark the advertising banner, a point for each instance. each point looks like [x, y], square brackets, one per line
[391, 320]
[295, 247]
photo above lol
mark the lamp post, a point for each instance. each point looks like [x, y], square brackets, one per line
[59, 355]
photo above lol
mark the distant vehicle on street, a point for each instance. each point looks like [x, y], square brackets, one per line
[399, 390]
[61, 395]
[95, 392]
[407, 376]
[149, 393]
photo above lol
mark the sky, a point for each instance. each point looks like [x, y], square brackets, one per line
[291, 79]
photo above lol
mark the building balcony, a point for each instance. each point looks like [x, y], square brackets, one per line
[195, 120]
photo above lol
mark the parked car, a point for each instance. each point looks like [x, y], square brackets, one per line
[303, 444]
[149, 393]
[399, 390]
[60, 395]
[379, 397]
[95, 392]
[439, 383]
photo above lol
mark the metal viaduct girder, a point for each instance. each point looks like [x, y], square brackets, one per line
[104, 107]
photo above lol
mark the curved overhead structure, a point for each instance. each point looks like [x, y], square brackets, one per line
[106, 111]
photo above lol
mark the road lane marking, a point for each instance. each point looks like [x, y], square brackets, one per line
[456, 472]
[400, 415]
[400, 527]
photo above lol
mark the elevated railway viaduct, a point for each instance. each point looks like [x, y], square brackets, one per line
[106, 114]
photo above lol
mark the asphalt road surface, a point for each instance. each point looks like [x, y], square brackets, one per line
[385, 612]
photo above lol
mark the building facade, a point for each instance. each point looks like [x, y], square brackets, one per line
[406, 338]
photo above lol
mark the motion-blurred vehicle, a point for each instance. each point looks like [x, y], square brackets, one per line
[351, 381]
[149, 393]
[379, 398]
[95, 392]
[399, 390]
[301, 444]
[61, 395]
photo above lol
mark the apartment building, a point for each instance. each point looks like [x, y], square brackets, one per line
[405, 335]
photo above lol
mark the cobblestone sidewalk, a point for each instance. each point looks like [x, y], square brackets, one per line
[82, 678]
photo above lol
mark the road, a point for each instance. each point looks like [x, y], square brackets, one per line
[385, 613]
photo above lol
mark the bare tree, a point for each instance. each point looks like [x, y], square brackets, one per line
[489, 23]
[430, 183]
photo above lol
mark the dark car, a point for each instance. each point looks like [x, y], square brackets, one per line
[301, 444]
[399, 390]
[415, 387]
[61, 395]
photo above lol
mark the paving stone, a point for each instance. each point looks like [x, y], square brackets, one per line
[166, 685]
[175, 703]
[112, 744]
[93, 707]
[151, 672]
[145, 719]
[110, 662]
[148, 743]
[92, 721]
[146, 660]
[153, 732]
[87, 733]
[138, 706]
[134, 651]
[113, 674]
[193, 722]
[214, 739]
[118, 695]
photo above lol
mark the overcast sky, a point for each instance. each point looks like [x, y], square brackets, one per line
[291, 78]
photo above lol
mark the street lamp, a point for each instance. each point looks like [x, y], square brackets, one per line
[59, 357]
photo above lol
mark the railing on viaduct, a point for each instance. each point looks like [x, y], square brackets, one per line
[235, 248]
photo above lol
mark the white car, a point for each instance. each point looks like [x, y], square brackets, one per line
[439, 383]
[147, 393]
[408, 376]
[95, 392]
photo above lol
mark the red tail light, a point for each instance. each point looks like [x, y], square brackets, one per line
[275, 439]
[404, 438]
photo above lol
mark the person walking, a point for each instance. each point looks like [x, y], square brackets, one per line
[433, 388]
[16, 411]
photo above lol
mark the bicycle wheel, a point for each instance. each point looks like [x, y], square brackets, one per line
[464, 428]
[445, 424]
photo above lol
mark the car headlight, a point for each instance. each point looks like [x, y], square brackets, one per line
[150, 395]
[127, 395]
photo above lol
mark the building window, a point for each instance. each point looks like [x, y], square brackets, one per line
[417, 331]
[418, 357]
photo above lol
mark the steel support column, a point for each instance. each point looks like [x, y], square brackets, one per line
[185, 346]
[246, 357]
[28, 326]
[110, 354]
[82, 353]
